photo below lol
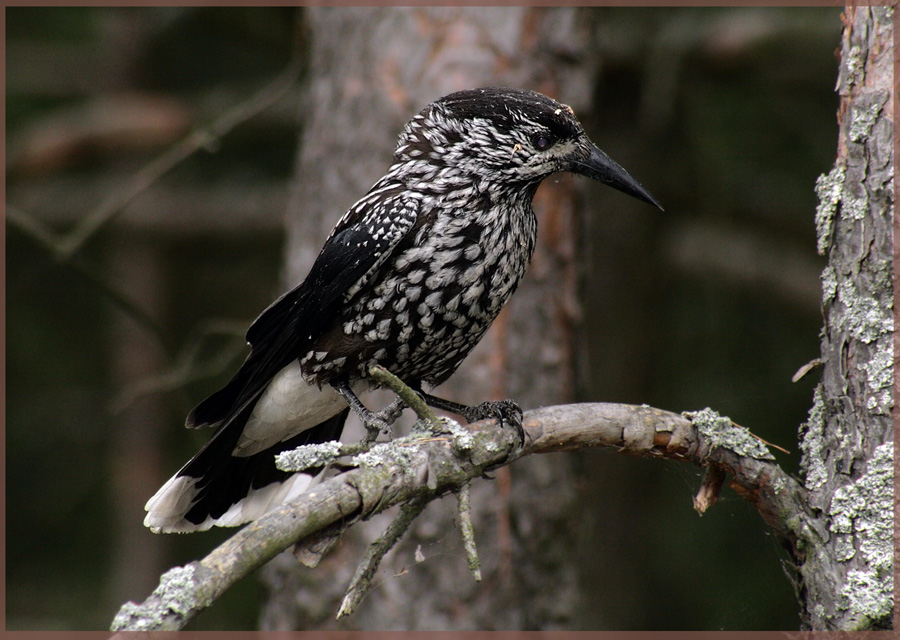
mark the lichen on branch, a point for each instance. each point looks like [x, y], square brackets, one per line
[444, 457]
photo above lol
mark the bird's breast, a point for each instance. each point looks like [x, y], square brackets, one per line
[433, 301]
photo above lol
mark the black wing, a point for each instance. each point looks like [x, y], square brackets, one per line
[360, 243]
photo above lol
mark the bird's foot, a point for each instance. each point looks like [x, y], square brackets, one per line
[375, 425]
[391, 412]
[383, 421]
[506, 412]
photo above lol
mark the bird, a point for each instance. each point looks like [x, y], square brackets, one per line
[410, 278]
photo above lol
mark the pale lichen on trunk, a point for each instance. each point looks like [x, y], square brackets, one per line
[847, 568]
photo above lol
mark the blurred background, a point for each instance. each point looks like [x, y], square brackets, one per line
[727, 115]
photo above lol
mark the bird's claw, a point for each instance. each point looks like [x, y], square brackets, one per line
[382, 422]
[375, 425]
[505, 412]
[391, 412]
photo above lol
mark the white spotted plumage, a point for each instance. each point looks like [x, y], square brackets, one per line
[410, 278]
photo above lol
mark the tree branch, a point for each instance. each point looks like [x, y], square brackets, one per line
[66, 247]
[362, 579]
[428, 464]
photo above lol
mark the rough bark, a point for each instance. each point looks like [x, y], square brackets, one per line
[370, 70]
[845, 561]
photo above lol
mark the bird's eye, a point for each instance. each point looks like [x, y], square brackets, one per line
[542, 141]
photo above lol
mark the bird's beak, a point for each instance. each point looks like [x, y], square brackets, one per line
[602, 168]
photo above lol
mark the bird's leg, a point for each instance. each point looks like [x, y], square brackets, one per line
[374, 423]
[504, 411]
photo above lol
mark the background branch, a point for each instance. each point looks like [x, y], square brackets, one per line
[64, 248]
[420, 469]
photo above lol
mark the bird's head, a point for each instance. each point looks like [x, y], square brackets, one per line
[507, 136]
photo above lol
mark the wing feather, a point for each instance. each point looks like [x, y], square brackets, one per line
[358, 247]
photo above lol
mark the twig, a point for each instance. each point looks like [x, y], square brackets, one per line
[45, 238]
[710, 487]
[33, 227]
[188, 367]
[362, 579]
[468, 532]
[65, 247]
[412, 399]
[318, 455]
[205, 138]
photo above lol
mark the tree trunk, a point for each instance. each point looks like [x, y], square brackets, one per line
[370, 71]
[846, 574]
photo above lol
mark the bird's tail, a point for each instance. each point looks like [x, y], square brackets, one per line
[216, 488]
